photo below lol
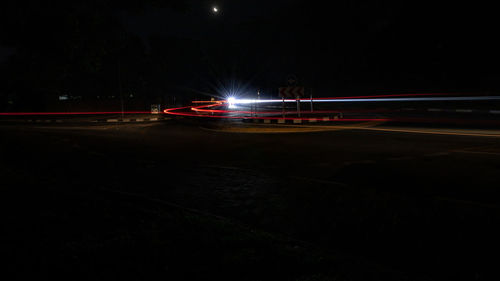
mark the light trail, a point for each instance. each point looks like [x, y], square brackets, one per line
[197, 109]
[281, 118]
[222, 102]
[70, 113]
[434, 132]
[188, 114]
[200, 108]
[342, 98]
[206, 110]
[253, 101]
[397, 119]
[205, 101]
[479, 98]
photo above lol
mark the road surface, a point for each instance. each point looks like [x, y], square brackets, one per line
[393, 201]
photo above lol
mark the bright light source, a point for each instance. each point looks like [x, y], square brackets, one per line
[231, 101]
[215, 9]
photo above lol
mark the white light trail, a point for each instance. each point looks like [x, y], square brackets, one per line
[248, 101]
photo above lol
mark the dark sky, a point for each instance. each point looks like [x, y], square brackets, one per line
[240, 54]
[5, 52]
[348, 46]
[200, 22]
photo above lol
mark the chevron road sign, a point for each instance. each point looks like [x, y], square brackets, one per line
[291, 92]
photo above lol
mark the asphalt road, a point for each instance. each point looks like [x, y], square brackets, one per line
[420, 202]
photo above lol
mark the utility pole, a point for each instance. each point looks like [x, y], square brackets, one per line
[120, 87]
[122, 39]
[257, 103]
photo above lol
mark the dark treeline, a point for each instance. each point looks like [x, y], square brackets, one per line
[81, 51]
[85, 51]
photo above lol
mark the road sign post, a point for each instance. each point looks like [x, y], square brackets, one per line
[298, 106]
[312, 100]
[291, 92]
[283, 106]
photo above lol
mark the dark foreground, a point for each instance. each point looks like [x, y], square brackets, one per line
[174, 201]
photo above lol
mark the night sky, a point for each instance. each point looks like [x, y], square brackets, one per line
[182, 47]
[199, 22]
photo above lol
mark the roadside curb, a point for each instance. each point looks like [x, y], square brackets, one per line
[111, 120]
[453, 110]
[290, 120]
[131, 120]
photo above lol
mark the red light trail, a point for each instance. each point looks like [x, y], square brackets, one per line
[70, 113]
[207, 109]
